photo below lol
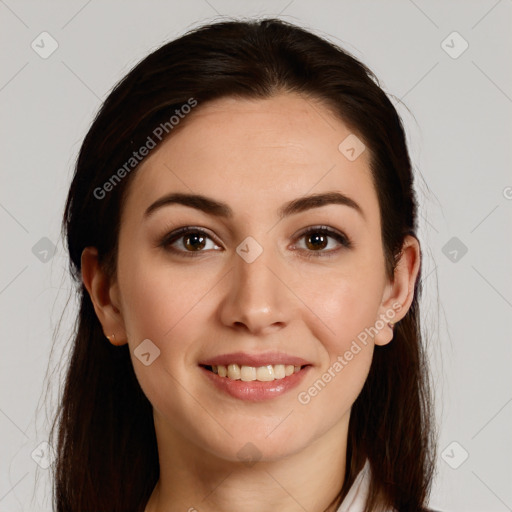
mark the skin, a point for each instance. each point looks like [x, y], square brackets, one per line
[254, 155]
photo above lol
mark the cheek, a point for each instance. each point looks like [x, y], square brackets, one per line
[157, 299]
[167, 307]
[347, 311]
[346, 305]
[345, 308]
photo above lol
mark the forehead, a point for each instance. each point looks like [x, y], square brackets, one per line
[251, 153]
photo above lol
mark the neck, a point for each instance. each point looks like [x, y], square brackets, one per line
[193, 479]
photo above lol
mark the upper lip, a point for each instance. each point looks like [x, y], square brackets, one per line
[245, 359]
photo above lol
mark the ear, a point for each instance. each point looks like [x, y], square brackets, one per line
[399, 294]
[104, 296]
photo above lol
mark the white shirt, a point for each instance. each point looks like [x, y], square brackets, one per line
[355, 499]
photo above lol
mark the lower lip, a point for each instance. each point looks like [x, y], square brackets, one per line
[255, 390]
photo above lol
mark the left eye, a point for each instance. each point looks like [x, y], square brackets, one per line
[317, 240]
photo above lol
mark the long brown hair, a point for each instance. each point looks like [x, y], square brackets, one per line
[106, 448]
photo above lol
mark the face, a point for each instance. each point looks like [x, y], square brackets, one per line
[259, 276]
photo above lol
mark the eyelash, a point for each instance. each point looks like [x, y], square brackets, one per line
[341, 238]
[180, 233]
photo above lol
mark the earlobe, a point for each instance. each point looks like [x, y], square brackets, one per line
[99, 287]
[399, 294]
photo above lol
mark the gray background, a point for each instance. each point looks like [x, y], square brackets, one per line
[458, 121]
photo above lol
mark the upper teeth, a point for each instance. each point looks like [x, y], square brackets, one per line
[263, 373]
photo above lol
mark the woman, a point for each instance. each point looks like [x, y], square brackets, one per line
[242, 224]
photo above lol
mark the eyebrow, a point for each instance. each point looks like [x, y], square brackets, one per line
[219, 209]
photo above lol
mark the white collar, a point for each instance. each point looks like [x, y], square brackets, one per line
[355, 499]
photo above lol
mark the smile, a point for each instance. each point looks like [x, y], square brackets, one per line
[245, 373]
[255, 383]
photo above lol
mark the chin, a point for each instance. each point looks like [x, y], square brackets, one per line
[254, 446]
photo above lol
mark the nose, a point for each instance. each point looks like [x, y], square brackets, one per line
[257, 300]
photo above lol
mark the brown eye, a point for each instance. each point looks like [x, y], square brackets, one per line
[189, 241]
[316, 241]
[194, 242]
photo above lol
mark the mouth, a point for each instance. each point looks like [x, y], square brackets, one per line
[255, 377]
[265, 373]
[255, 383]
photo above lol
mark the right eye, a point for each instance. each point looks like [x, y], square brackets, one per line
[191, 240]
